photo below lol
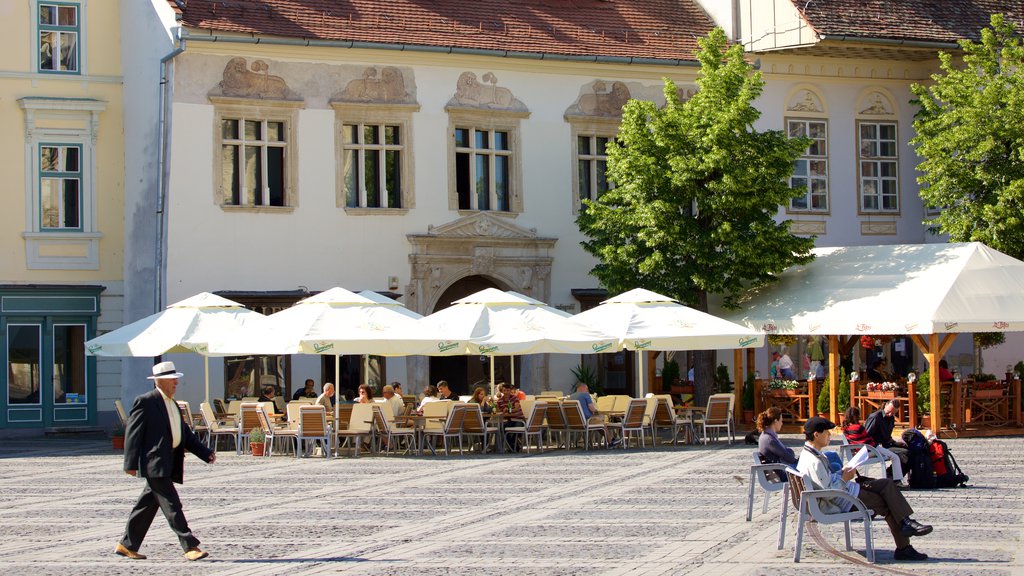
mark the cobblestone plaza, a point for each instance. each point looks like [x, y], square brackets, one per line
[668, 510]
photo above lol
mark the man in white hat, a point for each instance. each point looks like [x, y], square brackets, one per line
[154, 448]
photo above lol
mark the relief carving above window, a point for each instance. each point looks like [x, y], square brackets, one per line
[384, 85]
[242, 80]
[601, 99]
[471, 93]
[806, 101]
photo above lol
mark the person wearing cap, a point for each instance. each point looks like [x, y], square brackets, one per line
[879, 426]
[880, 495]
[156, 438]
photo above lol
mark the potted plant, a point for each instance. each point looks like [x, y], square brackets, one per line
[585, 374]
[824, 401]
[117, 437]
[669, 375]
[779, 387]
[256, 439]
[748, 398]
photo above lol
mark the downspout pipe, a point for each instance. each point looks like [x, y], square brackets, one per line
[163, 164]
[279, 41]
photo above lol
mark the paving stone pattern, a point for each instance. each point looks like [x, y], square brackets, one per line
[669, 510]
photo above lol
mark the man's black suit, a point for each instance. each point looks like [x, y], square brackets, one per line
[148, 449]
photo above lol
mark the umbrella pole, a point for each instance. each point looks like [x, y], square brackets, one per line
[206, 367]
[640, 373]
[337, 389]
[512, 363]
[492, 375]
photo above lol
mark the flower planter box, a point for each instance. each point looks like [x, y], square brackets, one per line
[882, 394]
[988, 393]
[681, 389]
[785, 393]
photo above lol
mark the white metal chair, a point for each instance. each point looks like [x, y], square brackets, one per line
[576, 424]
[452, 429]
[360, 426]
[246, 421]
[274, 433]
[390, 434]
[809, 508]
[121, 415]
[634, 422]
[534, 426]
[771, 478]
[473, 424]
[719, 415]
[847, 451]
[215, 428]
[312, 426]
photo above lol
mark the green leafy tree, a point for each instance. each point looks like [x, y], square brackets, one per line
[970, 133]
[843, 394]
[824, 398]
[697, 190]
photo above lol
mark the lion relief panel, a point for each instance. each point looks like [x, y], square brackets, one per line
[472, 93]
[243, 80]
[601, 98]
[378, 84]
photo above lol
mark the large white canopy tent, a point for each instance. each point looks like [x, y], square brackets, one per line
[922, 290]
[186, 326]
[645, 320]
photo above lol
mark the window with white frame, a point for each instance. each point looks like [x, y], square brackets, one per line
[810, 171]
[878, 160]
[61, 194]
[372, 156]
[592, 166]
[483, 169]
[60, 186]
[253, 158]
[59, 30]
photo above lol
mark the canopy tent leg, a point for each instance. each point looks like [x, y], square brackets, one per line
[933, 351]
[833, 375]
[206, 370]
[737, 371]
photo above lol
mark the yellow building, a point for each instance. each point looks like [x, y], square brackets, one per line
[62, 226]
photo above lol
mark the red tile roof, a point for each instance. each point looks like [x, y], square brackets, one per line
[663, 29]
[919, 20]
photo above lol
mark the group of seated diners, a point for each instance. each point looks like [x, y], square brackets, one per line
[826, 471]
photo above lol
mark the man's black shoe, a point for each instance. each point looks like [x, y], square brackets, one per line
[907, 553]
[911, 527]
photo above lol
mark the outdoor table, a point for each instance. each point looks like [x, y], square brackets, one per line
[418, 424]
[690, 412]
[500, 418]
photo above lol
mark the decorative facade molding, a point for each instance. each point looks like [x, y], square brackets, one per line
[471, 93]
[240, 80]
[878, 228]
[807, 227]
[379, 85]
[601, 99]
[481, 224]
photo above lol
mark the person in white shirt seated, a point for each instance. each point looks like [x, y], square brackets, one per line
[394, 401]
[880, 495]
[429, 395]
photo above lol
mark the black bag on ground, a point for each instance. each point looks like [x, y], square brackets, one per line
[919, 461]
[947, 472]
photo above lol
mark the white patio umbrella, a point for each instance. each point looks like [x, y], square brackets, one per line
[496, 323]
[185, 326]
[336, 321]
[646, 320]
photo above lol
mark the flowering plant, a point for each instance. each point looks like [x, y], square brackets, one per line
[883, 386]
[988, 385]
[778, 384]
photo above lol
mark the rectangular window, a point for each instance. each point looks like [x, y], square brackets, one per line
[245, 376]
[810, 171]
[592, 166]
[372, 170]
[60, 187]
[58, 27]
[879, 166]
[483, 161]
[253, 162]
[24, 359]
[69, 364]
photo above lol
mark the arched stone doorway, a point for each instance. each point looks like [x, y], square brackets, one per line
[463, 373]
[478, 251]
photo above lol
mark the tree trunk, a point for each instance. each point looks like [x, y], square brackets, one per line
[704, 363]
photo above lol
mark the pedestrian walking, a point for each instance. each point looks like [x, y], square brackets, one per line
[154, 448]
